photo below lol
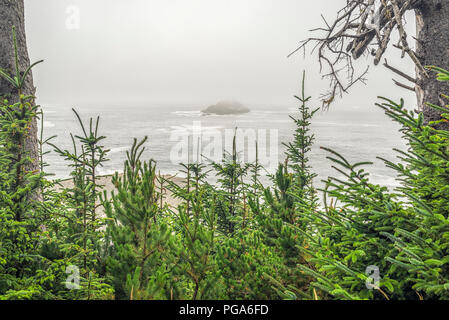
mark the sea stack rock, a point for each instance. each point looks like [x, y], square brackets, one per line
[226, 108]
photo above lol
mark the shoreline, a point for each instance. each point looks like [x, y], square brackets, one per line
[106, 182]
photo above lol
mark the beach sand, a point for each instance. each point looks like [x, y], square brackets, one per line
[106, 181]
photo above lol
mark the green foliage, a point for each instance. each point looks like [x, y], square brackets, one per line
[196, 248]
[18, 79]
[231, 199]
[84, 226]
[19, 221]
[74, 232]
[422, 248]
[196, 223]
[290, 203]
[348, 238]
[139, 235]
[402, 233]
[236, 239]
[243, 261]
[19, 218]
[298, 151]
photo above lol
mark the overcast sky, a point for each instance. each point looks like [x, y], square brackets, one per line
[182, 51]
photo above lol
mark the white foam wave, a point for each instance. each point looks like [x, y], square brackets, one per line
[189, 114]
[119, 149]
[48, 124]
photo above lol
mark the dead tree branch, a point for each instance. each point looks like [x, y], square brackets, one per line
[361, 27]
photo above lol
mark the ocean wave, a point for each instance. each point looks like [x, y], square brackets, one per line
[345, 124]
[49, 124]
[171, 173]
[119, 149]
[246, 120]
[106, 172]
[162, 130]
[188, 129]
[189, 114]
[387, 181]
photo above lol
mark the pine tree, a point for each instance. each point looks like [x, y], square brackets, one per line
[244, 261]
[255, 189]
[84, 225]
[292, 198]
[198, 243]
[422, 247]
[19, 218]
[73, 235]
[139, 262]
[401, 233]
[231, 197]
[298, 153]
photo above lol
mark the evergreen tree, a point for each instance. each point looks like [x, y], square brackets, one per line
[292, 198]
[74, 234]
[231, 197]
[421, 248]
[19, 218]
[139, 262]
[298, 153]
[401, 234]
[244, 261]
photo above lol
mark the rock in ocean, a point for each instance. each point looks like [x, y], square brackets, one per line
[226, 108]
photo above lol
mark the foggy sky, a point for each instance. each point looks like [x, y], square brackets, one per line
[185, 52]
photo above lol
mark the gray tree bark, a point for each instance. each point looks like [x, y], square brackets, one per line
[12, 13]
[432, 19]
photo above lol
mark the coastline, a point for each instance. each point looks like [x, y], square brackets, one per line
[106, 182]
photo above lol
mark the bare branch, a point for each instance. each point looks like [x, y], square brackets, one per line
[399, 84]
[402, 74]
[361, 27]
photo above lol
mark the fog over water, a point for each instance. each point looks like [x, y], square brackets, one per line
[147, 66]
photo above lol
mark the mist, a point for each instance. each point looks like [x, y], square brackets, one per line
[194, 52]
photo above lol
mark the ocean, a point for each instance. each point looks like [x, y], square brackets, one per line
[358, 133]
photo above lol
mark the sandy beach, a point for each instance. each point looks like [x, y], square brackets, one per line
[106, 182]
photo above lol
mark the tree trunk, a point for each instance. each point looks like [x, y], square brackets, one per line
[432, 20]
[12, 13]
